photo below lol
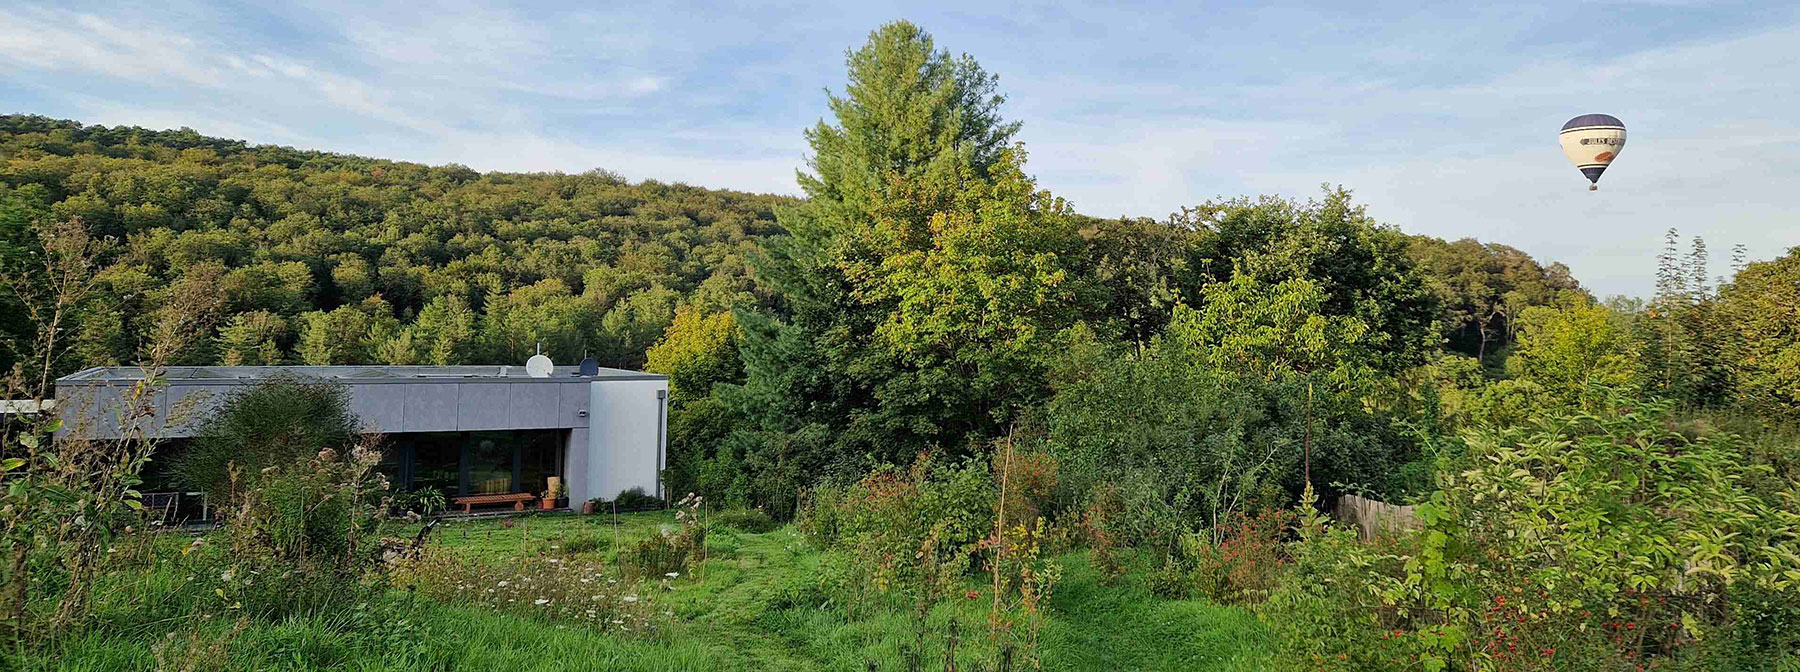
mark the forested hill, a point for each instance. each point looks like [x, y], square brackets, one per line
[311, 248]
[331, 258]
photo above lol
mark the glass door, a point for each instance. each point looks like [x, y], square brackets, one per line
[491, 463]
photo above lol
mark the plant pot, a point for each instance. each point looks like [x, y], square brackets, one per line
[547, 503]
[587, 508]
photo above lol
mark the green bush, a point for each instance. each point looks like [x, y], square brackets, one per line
[275, 422]
[634, 499]
[424, 501]
[1237, 562]
[753, 521]
[1187, 445]
[1581, 541]
[307, 539]
[912, 531]
[656, 555]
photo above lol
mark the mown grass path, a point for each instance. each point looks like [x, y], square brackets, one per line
[1121, 626]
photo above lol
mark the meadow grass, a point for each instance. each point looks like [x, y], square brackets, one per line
[757, 605]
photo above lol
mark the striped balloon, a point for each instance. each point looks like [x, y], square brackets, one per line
[1592, 141]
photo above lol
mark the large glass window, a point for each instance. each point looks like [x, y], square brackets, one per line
[436, 460]
[471, 463]
[490, 460]
[540, 457]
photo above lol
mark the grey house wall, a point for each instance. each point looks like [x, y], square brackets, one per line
[617, 425]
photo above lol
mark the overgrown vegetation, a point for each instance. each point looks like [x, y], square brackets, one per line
[1006, 436]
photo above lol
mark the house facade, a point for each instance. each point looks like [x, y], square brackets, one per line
[464, 430]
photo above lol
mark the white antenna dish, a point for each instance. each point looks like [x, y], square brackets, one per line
[539, 366]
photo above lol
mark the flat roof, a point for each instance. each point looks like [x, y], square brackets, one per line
[232, 375]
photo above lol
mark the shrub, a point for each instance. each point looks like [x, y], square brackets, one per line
[1323, 612]
[669, 551]
[634, 499]
[1097, 523]
[424, 501]
[1582, 541]
[1239, 562]
[304, 539]
[276, 422]
[753, 521]
[903, 530]
[659, 554]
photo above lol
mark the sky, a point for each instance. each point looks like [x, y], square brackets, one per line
[1442, 119]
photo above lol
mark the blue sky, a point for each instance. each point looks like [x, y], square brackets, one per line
[1441, 118]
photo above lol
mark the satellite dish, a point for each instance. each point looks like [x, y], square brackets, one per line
[590, 368]
[539, 366]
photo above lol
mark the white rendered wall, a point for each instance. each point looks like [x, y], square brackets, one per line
[626, 440]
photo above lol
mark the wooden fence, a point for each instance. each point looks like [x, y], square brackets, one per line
[1372, 517]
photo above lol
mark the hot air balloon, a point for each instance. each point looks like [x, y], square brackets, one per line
[1592, 141]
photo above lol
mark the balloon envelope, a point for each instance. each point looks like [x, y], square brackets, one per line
[1592, 141]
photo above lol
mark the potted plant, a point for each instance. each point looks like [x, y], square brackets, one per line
[551, 493]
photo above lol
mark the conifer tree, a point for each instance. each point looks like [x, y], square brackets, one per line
[915, 278]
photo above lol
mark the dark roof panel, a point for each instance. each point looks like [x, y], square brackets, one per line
[1593, 120]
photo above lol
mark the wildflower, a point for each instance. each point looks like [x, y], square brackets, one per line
[503, 584]
[673, 575]
[630, 598]
[541, 602]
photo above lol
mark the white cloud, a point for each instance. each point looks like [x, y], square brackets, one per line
[64, 42]
[1443, 124]
[1714, 145]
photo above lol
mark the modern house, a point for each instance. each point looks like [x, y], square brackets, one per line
[465, 430]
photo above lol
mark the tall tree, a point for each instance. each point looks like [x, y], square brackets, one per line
[1483, 288]
[1360, 267]
[1761, 307]
[921, 273]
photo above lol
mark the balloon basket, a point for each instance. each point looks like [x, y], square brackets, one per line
[1593, 187]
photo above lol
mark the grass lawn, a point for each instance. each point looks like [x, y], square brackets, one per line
[747, 610]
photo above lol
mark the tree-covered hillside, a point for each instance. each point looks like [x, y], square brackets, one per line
[327, 258]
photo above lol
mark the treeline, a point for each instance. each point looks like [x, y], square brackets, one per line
[323, 258]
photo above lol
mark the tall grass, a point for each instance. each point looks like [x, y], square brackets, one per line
[762, 607]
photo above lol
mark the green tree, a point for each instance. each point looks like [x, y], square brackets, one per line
[1761, 308]
[633, 325]
[545, 314]
[975, 312]
[253, 339]
[446, 332]
[917, 146]
[1572, 346]
[1247, 327]
[696, 352]
[353, 277]
[1483, 288]
[346, 335]
[1362, 268]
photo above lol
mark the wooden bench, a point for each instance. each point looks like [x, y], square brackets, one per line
[518, 500]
